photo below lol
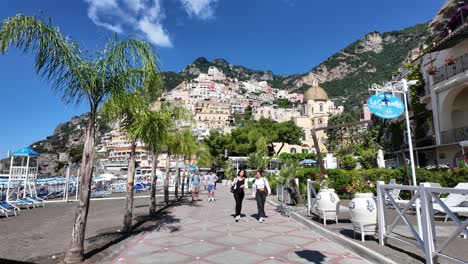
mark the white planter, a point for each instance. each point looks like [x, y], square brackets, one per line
[363, 211]
[224, 182]
[328, 204]
[229, 182]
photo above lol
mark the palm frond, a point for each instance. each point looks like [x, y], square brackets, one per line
[57, 58]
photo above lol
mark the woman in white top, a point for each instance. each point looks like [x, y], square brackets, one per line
[261, 188]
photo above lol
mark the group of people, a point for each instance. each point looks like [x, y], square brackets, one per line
[261, 188]
[209, 181]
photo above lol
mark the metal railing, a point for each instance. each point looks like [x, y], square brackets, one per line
[282, 194]
[454, 135]
[427, 240]
[447, 71]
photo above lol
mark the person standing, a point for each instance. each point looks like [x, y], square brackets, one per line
[211, 179]
[238, 186]
[196, 182]
[261, 188]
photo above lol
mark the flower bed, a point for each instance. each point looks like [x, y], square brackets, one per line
[348, 182]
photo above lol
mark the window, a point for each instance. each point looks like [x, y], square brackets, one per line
[293, 151]
[305, 151]
[320, 121]
[321, 107]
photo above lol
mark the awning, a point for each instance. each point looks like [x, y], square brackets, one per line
[308, 161]
[25, 152]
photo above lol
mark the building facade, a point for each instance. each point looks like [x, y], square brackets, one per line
[445, 72]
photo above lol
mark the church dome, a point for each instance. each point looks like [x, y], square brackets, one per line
[315, 93]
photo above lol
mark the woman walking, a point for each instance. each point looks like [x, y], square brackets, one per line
[261, 188]
[238, 186]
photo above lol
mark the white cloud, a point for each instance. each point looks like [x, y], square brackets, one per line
[144, 16]
[203, 9]
[155, 33]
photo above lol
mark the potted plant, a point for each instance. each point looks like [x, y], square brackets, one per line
[362, 208]
[450, 60]
[328, 202]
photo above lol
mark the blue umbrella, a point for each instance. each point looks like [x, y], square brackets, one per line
[308, 161]
[25, 152]
[192, 167]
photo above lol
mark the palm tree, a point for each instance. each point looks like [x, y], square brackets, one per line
[126, 108]
[153, 127]
[120, 66]
[189, 149]
[173, 147]
[287, 177]
[154, 124]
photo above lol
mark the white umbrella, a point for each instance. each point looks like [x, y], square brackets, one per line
[380, 159]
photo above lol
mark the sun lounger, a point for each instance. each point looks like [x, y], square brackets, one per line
[7, 208]
[36, 201]
[20, 203]
[454, 202]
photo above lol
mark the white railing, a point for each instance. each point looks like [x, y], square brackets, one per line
[18, 173]
[282, 194]
[428, 197]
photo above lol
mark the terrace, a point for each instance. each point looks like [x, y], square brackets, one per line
[454, 67]
[452, 31]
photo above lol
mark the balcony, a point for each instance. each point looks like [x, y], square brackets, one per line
[454, 135]
[447, 71]
[455, 31]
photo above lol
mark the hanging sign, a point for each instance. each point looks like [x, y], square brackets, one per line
[386, 105]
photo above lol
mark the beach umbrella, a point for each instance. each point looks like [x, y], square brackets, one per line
[380, 159]
[307, 162]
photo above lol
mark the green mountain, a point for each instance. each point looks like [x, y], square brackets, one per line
[346, 74]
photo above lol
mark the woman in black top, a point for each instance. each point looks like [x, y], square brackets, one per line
[238, 185]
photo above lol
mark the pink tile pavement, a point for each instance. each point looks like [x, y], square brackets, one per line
[207, 233]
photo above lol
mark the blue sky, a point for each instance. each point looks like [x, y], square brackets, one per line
[285, 36]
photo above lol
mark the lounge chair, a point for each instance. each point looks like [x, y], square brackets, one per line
[8, 208]
[21, 203]
[36, 201]
[454, 202]
[395, 193]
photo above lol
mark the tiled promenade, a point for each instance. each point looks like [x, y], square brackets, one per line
[207, 233]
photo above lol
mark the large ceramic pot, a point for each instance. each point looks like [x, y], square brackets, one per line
[363, 210]
[328, 201]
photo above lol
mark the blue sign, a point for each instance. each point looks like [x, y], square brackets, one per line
[386, 105]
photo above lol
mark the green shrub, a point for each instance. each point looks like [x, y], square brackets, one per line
[339, 178]
[348, 162]
[272, 181]
[368, 158]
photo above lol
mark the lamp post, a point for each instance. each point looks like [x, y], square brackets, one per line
[401, 87]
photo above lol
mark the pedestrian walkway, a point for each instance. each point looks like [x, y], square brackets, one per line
[207, 233]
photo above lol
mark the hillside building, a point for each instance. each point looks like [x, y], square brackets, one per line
[445, 72]
[314, 113]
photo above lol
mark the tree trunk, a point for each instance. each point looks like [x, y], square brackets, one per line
[166, 179]
[127, 221]
[319, 154]
[176, 192]
[297, 193]
[154, 181]
[184, 176]
[75, 253]
[281, 148]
